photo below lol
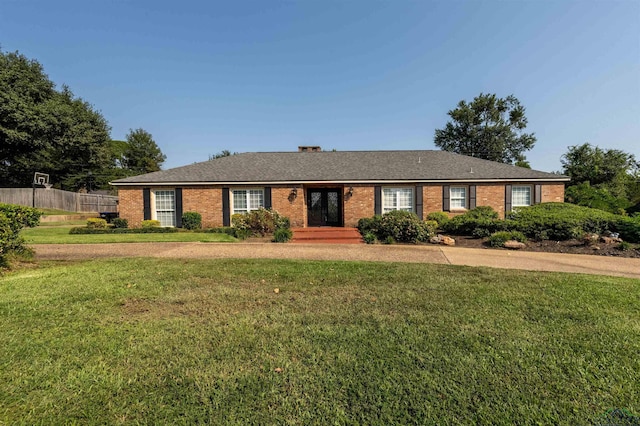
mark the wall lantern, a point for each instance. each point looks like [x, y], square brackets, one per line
[350, 191]
[294, 192]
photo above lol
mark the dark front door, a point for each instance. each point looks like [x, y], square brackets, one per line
[324, 207]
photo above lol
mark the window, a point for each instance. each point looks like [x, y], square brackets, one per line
[397, 199]
[245, 200]
[458, 197]
[521, 196]
[166, 207]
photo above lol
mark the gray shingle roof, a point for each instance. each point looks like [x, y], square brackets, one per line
[340, 166]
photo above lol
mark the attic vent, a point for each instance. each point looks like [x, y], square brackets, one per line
[309, 149]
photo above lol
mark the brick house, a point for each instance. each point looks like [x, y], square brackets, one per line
[322, 188]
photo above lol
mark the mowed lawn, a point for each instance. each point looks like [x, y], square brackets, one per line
[60, 235]
[300, 342]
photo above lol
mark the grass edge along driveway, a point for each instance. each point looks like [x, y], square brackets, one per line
[60, 235]
[311, 342]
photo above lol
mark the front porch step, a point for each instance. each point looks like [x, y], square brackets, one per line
[326, 235]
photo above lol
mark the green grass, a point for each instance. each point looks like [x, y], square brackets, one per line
[60, 235]
[51, 212]
[67, 223]
[187, 342]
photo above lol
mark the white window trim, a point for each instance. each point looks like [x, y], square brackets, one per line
[386, 209]
[249, 208]
[466, 198]
[531, 195]
[152, 201]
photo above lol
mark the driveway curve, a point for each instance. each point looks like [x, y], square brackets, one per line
[531, 261]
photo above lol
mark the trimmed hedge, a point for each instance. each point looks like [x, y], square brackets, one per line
[259, 222]
[499, 238]
[397, 226]
[191, 220]
[480, 222]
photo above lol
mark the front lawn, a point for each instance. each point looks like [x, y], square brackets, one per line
[60, 235]
[300, 342]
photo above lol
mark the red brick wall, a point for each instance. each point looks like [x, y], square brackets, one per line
[293, 207]
[360, 204]
[206, 200]
[130, 205]
[553, 193]
[491, 194]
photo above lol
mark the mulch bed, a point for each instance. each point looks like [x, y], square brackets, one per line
[569, 246]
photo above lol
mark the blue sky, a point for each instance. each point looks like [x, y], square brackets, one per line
[348, 75]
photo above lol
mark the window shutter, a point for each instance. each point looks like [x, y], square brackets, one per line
[537, 194]
[226, 216]
[445, 198]
[267, 197]
[419, 201]
[178, 207]
[377, 200]
[146, 202]
[507, 198]
[472, 197]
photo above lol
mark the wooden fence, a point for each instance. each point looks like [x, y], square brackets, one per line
[58, 199]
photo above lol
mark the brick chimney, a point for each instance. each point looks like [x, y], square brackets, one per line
[309, 149]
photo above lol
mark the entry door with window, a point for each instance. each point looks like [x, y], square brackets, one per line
[324, 207]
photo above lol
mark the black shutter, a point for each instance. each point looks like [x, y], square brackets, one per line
[419, 201]
[178, 207]
[445, 198]
[472, 197]
[146, 203]
[226, 216]
[507, 198]
[267, 197]
[377, 200]
[537, 194]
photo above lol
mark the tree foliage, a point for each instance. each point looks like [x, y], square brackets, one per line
[489, 127]
[607, 179]
[142, 154]
[46, 130]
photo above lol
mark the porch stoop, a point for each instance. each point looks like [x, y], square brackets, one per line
[326, 235]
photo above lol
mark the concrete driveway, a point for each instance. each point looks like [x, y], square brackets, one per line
[531, 261]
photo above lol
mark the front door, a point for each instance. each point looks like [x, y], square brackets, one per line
[324, 207]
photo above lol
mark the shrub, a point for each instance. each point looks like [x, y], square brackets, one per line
[96, 223]
[440, 217]
[629, 228]
[403, 227]
[389, 240]
[13, 219]
[282, 235]
[191, 220]
[498, 239]
[369, 225]
[260, 222]
[483, 217]
[150, 224]
[369, 238]
[120, 223]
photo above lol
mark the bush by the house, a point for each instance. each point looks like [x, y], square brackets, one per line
[369, 238]
[440, 217]
[96, 223]
[498, 239]
[191, 220]
[482, 220]
[282, 235]
[259, 222]
[150, 223]
[397, 226]
[13, 219]
[120, 223]
[629, 228]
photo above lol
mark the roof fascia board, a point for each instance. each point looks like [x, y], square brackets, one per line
[346, 182]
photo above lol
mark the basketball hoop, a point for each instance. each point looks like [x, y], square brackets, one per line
[48, 185]
[41, 179]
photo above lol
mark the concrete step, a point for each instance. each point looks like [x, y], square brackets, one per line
[326, 235]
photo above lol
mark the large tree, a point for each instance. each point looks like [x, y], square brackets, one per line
[488, 127]
[610, 176]
[142, 155]
[46, 130]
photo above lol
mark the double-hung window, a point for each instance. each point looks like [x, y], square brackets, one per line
[165, 203]
[458, 197]
[245, 200]
[397, 199]
[521, 195]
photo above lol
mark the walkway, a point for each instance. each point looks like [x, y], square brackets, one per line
[532, 261]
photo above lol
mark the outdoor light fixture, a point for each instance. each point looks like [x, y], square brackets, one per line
[294, 192]
[350, 191]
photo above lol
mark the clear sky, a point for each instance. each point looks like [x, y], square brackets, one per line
[270, 75]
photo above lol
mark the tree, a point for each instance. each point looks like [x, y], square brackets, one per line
[223, 153]
[46, 130]
[606, 177]
[489, 127]
[142, 154]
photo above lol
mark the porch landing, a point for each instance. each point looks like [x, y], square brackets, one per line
[326, 235]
